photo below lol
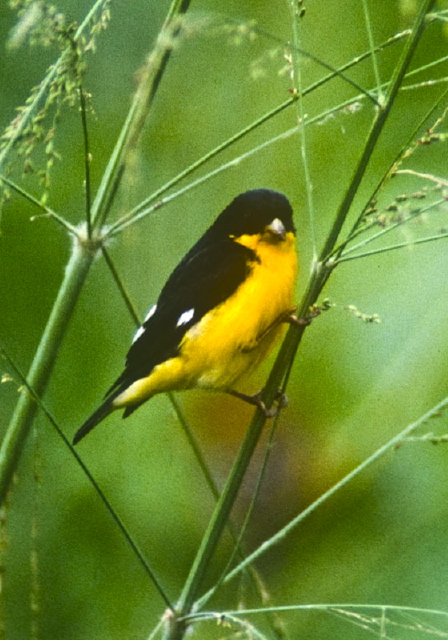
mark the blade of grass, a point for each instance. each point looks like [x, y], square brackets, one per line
[378, 125]
[118, 521]
[246, 130]
[297, 88]
[392, 247]
[149, 81]
[285, 531]
[376, 69]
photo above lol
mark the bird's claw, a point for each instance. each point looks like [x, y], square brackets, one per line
[291, 317]
[280, 400]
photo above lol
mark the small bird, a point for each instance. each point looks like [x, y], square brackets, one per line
[220, 311]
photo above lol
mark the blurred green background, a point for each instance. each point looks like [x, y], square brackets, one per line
[354, 385]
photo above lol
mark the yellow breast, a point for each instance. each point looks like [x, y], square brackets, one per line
[234, 338]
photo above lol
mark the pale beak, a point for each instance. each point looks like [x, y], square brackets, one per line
[277, 228]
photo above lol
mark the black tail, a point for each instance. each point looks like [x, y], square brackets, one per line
[94, 419]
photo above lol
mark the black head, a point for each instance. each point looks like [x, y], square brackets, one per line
[250, 212]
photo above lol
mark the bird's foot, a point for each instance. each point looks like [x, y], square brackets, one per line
[291, 317]
[280, 400]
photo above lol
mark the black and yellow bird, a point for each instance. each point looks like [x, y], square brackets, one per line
[221, 310]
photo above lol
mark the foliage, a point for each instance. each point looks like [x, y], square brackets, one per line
[354, 130]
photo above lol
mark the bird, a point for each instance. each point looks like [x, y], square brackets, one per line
[221, 311]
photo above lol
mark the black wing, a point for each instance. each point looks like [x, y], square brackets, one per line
[207, 276]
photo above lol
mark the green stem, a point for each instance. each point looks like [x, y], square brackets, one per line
[85, 132]
[372, 46]
[241, 134]
[116, 518]
[378, 125]
[341, 607]
[43, 88]
[297, 88]
[216, 525]
[46, 210]
[79, 264]
[232, 486]
[344, 255]
[38, 376]
[392, 247]
[285, 531]
[149, 80]
[322, 271]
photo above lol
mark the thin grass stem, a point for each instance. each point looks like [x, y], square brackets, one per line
[139, 212]
[321, 63]
[390, 228]
[409, 147]
[74, 278]
[285, 531]
[297, 88]
[320, 275]
[42, 366]
[112, 231]
[149, 81]
[425, 176]
[392, 247]
[116, 518]
[212, 615]
[378, 125]
[44, 86]
[88, 188]
[246, 130]
[159, 626]
[374, 58]
[252, 504]
[121, 286]
[218, 521]
[46, 211]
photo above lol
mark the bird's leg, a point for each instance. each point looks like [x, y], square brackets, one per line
[281, 318]
[286, 316]
[255, 399]
[291, 318]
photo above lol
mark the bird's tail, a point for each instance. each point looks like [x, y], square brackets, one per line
[96, 417]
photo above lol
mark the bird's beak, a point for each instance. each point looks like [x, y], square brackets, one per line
[277, 228]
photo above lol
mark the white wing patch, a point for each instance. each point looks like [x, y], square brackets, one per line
[151, 312]
[141, 330]
[185, 317]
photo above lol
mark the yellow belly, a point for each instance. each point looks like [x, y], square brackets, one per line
[231, 340]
